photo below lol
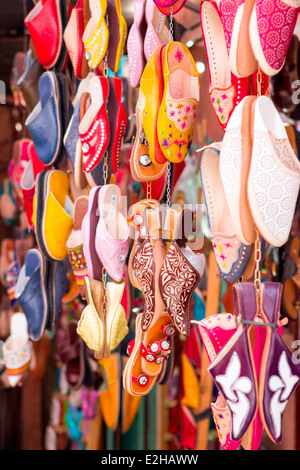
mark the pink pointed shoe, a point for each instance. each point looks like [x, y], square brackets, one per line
[157, 33]
[112, 233]
[135, 43]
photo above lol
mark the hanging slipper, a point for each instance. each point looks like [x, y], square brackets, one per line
[135, 381]
[109, 391]
[112, 233]
[91, 325]
[157, 32]
[135, 43]
[115, 318]
[74, 243]
[116, 41]
[178, 276]
[232, 255]
[8, 203]
[94, 127]
[17, 349]
[96, 34]
[73, 355]
[178, 110]
[279, 373]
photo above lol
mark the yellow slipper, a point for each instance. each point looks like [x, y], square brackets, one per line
[52, 215]
[91, 325]
[178, 110]
[95, 36]
[109, 392]
[116, 323]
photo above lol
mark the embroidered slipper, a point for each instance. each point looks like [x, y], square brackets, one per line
[179, 278]
[150, 99]
[74, 243]
[91, 325]
[269, 45]
[144, 268]
[233, 369]
[94, 128]
[242, 61]
[115, 318]
[178, 109]
[135, 381]
[225, 90]
[235, 160]
[231, 254]
[135, 46]
[96, 34]
[112, 233]
[116, 41]
[279, 372]
[157, 32]
[88, 228]
[274, 177]
[75, 29]
[136, 218]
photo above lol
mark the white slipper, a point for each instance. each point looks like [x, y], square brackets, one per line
[274, 178]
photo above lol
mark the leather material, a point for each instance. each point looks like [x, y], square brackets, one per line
[75, 29]
[31, 293]
[45, 28]
[280, 373]
[28, 82]
[53, 223]
[49, 119]
[233, 369]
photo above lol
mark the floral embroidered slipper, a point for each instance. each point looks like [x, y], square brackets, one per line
[232, 255]
[178, 109]
[225, 90]
[178, 277]
[137, 221]
[94, 127]
[95, 36]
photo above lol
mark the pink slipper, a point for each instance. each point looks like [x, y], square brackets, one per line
[157, 33]
[135, 46]
[271, 29]
[94, 127]
[112, 234]
[225, 90]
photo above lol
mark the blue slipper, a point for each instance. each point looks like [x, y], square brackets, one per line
[31, 292]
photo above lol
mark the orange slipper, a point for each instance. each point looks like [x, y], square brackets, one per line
[109, 392]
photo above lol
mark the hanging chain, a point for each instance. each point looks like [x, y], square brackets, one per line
[171, 25]
[105, 60]
[168, 185]
[259, 81]
[148, 189]
[257, 273]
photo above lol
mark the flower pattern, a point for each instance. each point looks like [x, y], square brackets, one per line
[178, 281]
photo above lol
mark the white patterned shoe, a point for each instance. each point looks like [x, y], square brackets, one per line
[274, 178]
